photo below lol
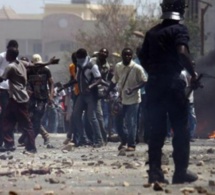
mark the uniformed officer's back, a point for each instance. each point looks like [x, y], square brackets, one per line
[165, 52]
[162, 57]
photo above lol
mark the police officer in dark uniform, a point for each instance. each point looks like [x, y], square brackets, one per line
[164, 53]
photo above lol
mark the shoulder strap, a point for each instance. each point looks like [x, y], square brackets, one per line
[88, 66]
[126, 77]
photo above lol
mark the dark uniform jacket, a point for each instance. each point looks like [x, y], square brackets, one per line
[159, 51]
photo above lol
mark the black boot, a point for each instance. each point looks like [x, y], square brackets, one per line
[156, 175]
[184, 176]
[155, 153]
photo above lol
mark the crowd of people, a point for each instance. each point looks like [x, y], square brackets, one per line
[141, 97]
[94, 79]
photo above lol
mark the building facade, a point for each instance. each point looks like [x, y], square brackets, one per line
[203, 12]
[53, 31]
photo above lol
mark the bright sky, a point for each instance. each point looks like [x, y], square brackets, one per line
[35, 6]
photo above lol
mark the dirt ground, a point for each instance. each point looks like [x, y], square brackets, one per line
[100, 171]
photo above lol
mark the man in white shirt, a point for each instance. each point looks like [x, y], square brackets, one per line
[129, 77]
[4, 86]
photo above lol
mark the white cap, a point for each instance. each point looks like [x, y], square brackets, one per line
[36, 58]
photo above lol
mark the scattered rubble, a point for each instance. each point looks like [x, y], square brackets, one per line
[130, 165]
[43, 171]
[13, 193]
[37, 187]
[167, 191]
[53, 181]
[126, 184]
[210, 151]
[99, 181]
[96, 169]
[157, 187]
[186, 190]
[116, 165]
[122, 153]
[200, 163]
[6, 156]
[91, 163]
[165, 159]
[49, 193]
[8, 173]
[211, 183]
[200, 190]
[165, 170]
[147, 185]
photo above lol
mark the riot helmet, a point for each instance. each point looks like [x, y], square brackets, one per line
[173, 9]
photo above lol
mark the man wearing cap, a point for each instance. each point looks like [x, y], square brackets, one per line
[38, 80]
[164, 54]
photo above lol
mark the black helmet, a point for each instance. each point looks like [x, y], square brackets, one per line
[173, 9]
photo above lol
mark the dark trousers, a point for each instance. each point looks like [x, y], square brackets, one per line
[18, 113]
[86, 103]
[4, 97]
[100, 118]
[166, 98]
[36, 110]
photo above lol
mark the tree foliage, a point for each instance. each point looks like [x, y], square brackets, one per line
[195, 39]
[115, 24]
